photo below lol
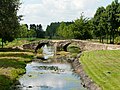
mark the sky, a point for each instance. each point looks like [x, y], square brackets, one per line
[46, 11]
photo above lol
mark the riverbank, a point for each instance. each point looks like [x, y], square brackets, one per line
[12, 65]
[103, 67]
[86, 80]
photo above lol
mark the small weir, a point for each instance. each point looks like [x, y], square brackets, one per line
[57, 75]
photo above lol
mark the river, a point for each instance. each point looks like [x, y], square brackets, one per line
[55, 75]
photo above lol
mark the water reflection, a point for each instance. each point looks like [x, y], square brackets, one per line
[48, 51]
[42, 76]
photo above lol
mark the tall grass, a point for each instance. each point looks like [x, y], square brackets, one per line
[12, 64]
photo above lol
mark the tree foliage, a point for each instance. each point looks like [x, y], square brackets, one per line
[9, 21]
[38, 29]
[106, 21]
[80, 29]
[23, 31]
[31, 33]
[51, 31]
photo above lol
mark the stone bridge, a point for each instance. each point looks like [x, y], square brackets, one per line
[63, 44]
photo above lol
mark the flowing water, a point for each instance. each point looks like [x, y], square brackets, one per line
[49, 76]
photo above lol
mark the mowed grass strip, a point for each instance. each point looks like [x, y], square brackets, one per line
[12, 64]
[103, 67]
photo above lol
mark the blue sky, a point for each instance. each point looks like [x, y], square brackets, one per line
[46, 11]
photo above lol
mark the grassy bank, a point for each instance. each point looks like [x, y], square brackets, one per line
[103, 67]
[19, 42]
[12, 64]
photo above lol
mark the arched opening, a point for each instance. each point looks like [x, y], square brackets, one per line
[40, 45]
[65, 46]
[72, 47]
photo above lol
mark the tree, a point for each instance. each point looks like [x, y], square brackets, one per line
[79, 29]
[102, 26]
[51, 30]
[38, 29]
[31, 33]
[113, 20]
[106, 21]
[82, 29]
[23, 31]
[60, 30]
[98, 22]
[9, 21]
[65, 31]
[33, 26]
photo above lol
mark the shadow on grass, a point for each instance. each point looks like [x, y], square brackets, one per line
[14, 50]
[22, 55]
[5, 82]
[12, 58]
[5, 63]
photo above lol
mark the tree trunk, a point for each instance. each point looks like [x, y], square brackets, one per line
[100, 39]
[113, 36]
[2, 42]
[110, 37]
[107, 38]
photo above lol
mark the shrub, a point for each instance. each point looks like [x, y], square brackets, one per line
[117, 40]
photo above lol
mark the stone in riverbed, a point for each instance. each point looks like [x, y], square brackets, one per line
[29, 75]
[30, 87]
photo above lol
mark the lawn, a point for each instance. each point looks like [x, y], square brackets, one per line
[12, 64]
[103, 67]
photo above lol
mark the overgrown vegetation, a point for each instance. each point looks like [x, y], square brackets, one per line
[117, 40]
[12, 64]
[103, 67]
[73, 49]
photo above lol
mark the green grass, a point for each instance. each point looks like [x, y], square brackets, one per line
[16, 42]
[19, 42]
[103, 67]
[12, 64]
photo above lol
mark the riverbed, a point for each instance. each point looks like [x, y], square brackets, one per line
[55, 75]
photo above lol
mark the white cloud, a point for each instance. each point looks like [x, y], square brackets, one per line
[47, 11]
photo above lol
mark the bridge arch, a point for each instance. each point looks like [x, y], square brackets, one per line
[65, 46]
[41, 45]
[75, 44]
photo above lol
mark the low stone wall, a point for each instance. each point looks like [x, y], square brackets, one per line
[30, 46]
[86, 81]
[87, 46]
[97, 46]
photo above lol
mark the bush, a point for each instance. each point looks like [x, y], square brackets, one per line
[73, 49]
[117, 40]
